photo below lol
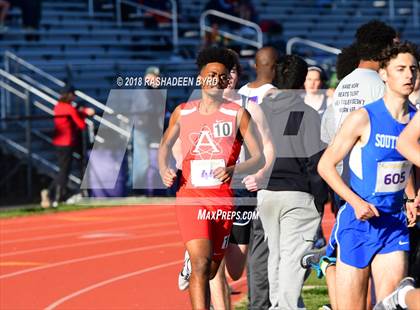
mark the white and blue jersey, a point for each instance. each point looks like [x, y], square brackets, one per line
[378, 174]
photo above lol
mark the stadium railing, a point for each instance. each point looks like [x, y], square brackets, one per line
[9, 57]
[20, 137]
[35, 88]
[323, 47]
[258, 42]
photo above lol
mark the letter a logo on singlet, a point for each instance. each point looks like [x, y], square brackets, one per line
[205, 144]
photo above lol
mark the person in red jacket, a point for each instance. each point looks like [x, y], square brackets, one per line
[68, 122]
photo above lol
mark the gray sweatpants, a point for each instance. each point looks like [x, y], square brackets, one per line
[290, 221]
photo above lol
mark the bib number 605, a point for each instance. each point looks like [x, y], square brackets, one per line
[395, 178]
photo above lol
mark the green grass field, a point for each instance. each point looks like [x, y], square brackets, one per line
[35, 209]
[314, 294]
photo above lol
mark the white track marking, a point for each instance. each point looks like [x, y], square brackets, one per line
[87, 258]
[101, 235]
[57, 236]
[84, 223]
[4, 223]
[111, 280]
[65, 246]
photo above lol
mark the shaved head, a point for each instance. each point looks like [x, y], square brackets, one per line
[266, 56]
[265, 64]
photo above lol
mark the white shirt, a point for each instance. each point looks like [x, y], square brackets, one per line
[357, 89]
[360, 87]
[255, 94]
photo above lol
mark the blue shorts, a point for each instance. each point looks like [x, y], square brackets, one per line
[359, 241]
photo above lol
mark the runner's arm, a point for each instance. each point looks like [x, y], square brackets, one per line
[256, 161]
[411, 207]
[350, 132]
[314, 148]
[171, 134]
[177, 153]
[408, 141]
[260, 179]
[248, 131]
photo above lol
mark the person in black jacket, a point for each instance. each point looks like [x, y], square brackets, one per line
[289, 207]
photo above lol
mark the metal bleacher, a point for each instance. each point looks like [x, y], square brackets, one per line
[94, 47]
[95, 50]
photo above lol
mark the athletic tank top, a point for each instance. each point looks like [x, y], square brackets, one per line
[378, 172]
[255, 95]
[207, 142]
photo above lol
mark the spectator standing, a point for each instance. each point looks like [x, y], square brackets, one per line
[315, 95]
[68, 121]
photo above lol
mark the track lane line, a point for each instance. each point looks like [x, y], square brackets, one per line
[57, 236]
[87, 258]
[172, 232]
[5, 222]
[72, 224]
[111, 280]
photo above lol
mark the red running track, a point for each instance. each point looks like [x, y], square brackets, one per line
[104, 258]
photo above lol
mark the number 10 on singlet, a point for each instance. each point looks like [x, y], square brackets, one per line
[222, 129]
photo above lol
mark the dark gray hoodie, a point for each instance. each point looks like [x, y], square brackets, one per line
[295, 128]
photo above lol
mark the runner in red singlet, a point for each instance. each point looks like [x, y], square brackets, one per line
[211, 131]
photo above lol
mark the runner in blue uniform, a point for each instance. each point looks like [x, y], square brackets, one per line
[371, 232]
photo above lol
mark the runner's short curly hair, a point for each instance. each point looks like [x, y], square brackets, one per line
[392, 52]
[236, 62]
[215, 54]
